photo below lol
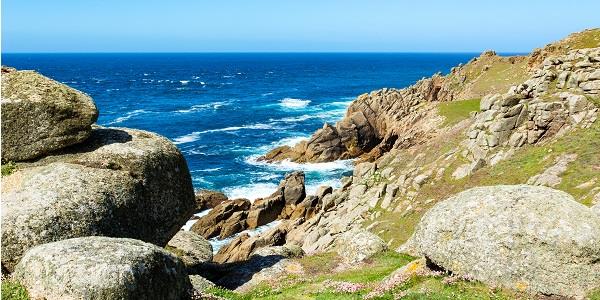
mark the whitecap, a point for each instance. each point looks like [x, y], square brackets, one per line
[200, 107]
[184, 82]
[267, 94]
[208, 170]
[227, 76]
[251, 191]
[194, 136]
[127, 116]
[294, 103]
[287, 165]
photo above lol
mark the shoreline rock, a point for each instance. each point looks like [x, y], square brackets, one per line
[40, 115]
[120, 182]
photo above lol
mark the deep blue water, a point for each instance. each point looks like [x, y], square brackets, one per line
[223, 110]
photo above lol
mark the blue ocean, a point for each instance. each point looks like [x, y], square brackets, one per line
[224, 110]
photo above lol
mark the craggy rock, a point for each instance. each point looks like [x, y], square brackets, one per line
[40, 115]
[119, 183]
[240, 248]
[357, 245]
[554, 100]
[264, 211]
[102, 268]
[191, 248]
[206, 199]
[374, 122]
[528, 238]
[211, 225]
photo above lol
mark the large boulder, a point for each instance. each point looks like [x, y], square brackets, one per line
[191, 248]
[102, 268]
[40, 115]
[528, 238]
[119, 183]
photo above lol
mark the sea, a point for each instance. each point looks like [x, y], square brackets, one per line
[224, 110]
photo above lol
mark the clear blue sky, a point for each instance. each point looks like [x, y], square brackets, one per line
[278, 25]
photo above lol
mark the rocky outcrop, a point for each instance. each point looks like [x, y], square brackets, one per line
[211, 225]
[554, 100]
[102, 268]
[206, 199]
[527, 238]
[40, 115]
[374, 122]
[191, 248]
[231, 217]
[242, 247]
[119, 183]
[551, 176]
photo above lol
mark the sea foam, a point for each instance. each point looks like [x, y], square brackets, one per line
[294, 103]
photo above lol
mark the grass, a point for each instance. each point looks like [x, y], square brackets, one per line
[456, 111]
[318, 285]
[13, 291]
[8, 168]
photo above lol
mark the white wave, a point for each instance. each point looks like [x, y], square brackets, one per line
[127, 116]
[195, 77]
[251, 191]
[217, 244]
[200, 107]
[294, 103]
[202, 83]
[188, 225]
[146, 74]
[287, 165]
[194, 136]
[184, 82]
[267, 94]
[208, 170]
[227, 76]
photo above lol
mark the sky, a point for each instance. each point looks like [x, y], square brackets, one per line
[289, 26]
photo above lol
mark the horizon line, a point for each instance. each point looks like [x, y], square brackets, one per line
[260, 52]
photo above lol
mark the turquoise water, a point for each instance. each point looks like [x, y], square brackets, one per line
[224, 110]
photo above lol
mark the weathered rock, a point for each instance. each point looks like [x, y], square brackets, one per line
[191, 248]
[206, 199]
[40, 115]
[267, 264]
[359, 244]
[233, 225]
[241, 248]
[102, 268]
[264, 211]
[523, 237]
[551, 176]
[200, 283]
[119, 183]
[293, 188]
[211, 225]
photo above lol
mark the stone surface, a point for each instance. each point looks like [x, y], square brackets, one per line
[211, 225]
[200, 283]
[528, 238]
[359, 244]
[40, 115]
[551, 176]
[102, 268]
[191, 248]
[206, 199]
[119, 183]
